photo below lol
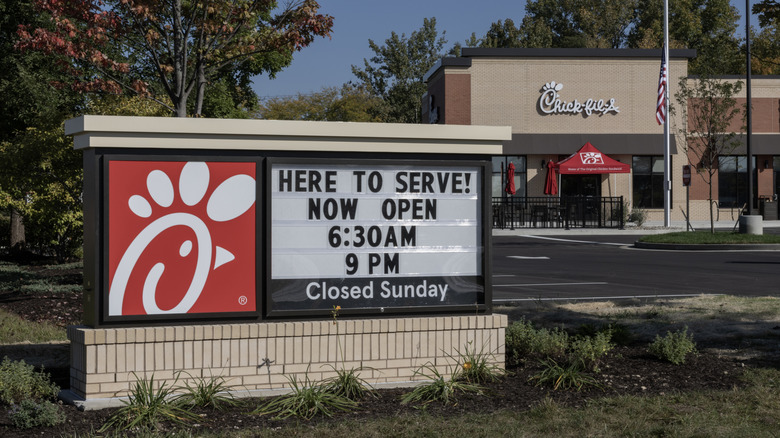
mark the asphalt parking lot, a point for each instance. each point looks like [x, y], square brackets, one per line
[585, 265]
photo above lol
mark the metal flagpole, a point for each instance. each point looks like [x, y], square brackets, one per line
[749, 111]
[667, 157]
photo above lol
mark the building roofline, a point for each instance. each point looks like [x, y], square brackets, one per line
[754, 76]
[447, 61]
[468, 53]
[481, 52]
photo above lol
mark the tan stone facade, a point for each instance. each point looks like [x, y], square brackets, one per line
[507, 87]
[105, 363]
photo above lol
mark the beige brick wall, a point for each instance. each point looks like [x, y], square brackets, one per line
[106, 362]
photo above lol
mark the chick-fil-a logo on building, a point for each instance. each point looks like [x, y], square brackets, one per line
[551, 103]
[181, 237]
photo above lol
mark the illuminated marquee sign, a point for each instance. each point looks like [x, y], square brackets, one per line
[551, 103]
[375, 236]
[181, 238]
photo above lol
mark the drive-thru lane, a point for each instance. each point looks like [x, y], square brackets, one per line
[606, 266]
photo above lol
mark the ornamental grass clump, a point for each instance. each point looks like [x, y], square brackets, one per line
[477, 366]
[438, 388]
[674, 347]
[564, 376]
[306, 400]
[147, 406]
[207, 393]
[347, 382]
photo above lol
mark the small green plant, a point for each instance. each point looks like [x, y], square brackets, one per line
[638, 216]
[522, 340]
[306, 400]
[589, 350]
[349, 384]
[30, 413]
[207, 393]
[19, 381]
[148, 405]
[563, 376]
[674, 347]
[439, 389]
[477, 366]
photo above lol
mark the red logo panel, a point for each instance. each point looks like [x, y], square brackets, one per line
[181, 237]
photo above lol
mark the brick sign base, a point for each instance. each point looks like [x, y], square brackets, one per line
[257, 359]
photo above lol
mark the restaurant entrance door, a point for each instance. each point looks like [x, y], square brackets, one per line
[581, 185]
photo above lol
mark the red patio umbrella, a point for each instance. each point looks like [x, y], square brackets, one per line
[510, 179]
[551, 185]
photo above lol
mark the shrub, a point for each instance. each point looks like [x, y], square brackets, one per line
[638, 216]
[522, 339]
[29, 413]
[19, 381]
[674, 347]
[146, 407]
[566, 376]
[591, 349]
[305, 401]
[439, 389]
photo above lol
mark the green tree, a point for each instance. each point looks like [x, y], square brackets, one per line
[169, 51]
[395, 72]
[768, 12]
[765, 46]
[709, 26]
[348, 103]
[29, 102]
[41, 179]
[765, 50]
[576, 23]
[502, 34]
[708, 108]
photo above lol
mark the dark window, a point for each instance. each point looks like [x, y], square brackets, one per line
[500, 166]
[733, 180]
[648, 181]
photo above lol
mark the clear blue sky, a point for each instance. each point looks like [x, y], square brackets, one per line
[327, 62]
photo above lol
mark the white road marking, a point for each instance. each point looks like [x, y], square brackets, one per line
[512, 300]
[548, 284]
[504, 275]
[576, 241]
[528, 258]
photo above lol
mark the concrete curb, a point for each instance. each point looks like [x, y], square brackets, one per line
[700, 247]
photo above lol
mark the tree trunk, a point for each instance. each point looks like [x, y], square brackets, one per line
[17, 230]
[712, 216]
[201, 91]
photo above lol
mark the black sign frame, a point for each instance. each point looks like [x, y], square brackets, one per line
[483, 302]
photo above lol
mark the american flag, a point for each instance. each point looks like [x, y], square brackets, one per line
[660, 110]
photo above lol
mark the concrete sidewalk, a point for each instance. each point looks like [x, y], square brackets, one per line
[649, 227]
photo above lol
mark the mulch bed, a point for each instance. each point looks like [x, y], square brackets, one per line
[629, 370]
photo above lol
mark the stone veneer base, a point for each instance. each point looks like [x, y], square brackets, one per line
[106, 362]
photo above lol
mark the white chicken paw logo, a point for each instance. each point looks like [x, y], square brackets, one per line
[591, 158]
[232, 198]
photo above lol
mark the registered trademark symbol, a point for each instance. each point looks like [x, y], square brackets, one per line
[242, 300]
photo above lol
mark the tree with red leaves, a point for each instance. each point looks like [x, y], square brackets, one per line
[170, 50]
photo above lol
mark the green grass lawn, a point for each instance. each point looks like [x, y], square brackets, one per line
[14, 329]
[708, 238]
